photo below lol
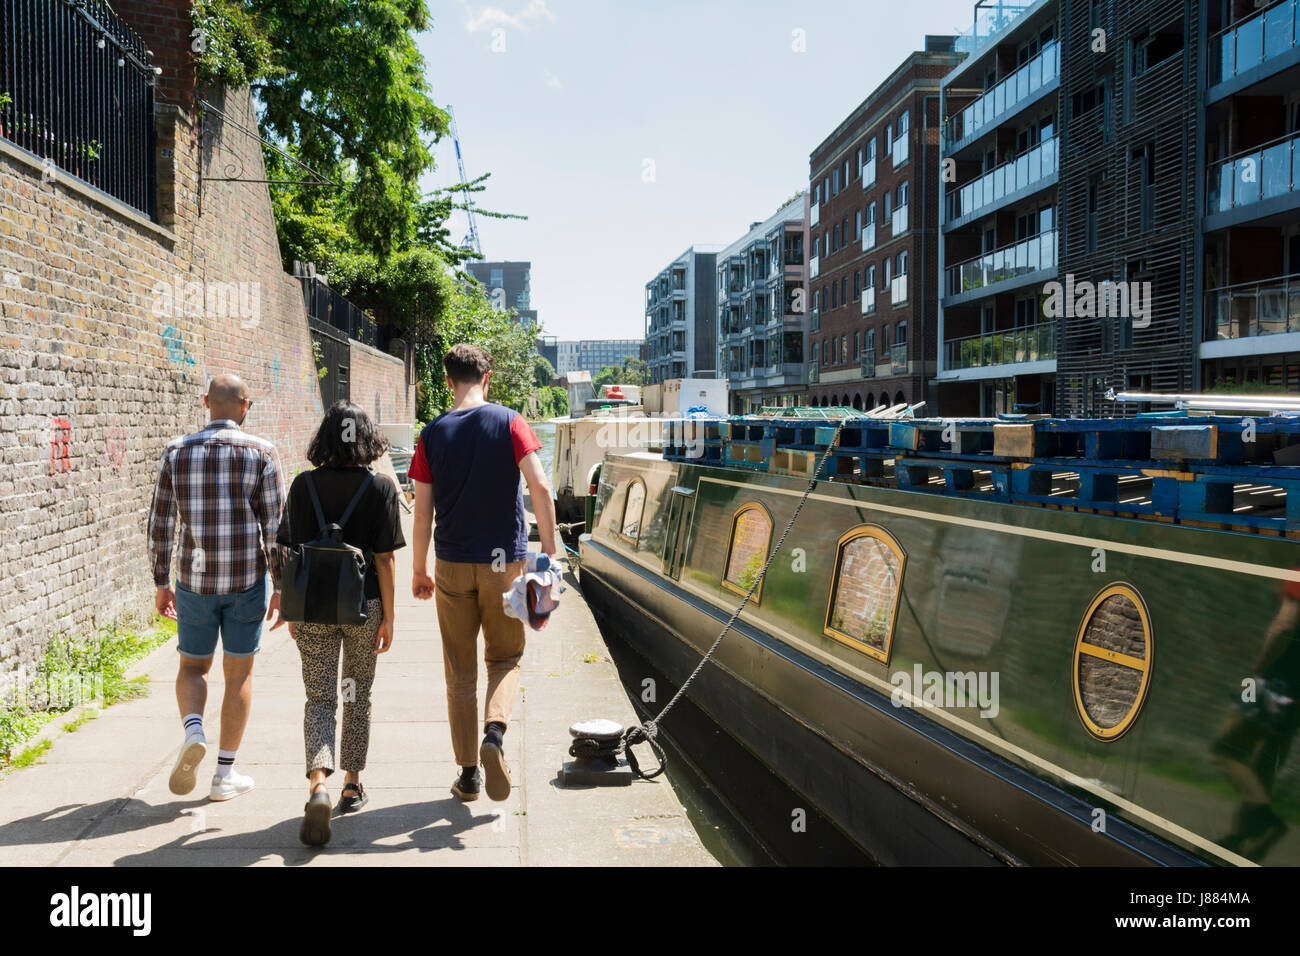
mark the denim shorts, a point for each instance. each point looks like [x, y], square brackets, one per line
[237, 617]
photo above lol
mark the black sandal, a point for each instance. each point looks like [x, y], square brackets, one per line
[351, 804]
[315, 829]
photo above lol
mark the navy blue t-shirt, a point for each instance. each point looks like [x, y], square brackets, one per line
[472, 458]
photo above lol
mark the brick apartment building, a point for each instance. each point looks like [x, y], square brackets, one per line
[872, 226]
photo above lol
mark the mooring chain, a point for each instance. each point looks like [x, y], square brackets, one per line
[647, 732]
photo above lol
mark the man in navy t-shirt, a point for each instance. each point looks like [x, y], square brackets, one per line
[466, 470]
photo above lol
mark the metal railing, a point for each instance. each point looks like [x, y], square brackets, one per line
[1037, 162]
[867, 363]
[1261, 172]
[899, 150]
[326, 305]
[1033, 343]
[1247, 309]
[868, 173]
[1254, 41]
[898, 289]
[1028, 255]
[1012, 91]
[898, 219]
[991, 18]
[77, 90]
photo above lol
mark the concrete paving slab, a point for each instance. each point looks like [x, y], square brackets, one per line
[100, 796]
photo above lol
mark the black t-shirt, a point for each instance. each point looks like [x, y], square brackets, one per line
[375, 525]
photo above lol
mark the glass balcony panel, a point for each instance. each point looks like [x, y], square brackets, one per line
[1250, 44]
[1293, 311]
[1278, 24]
[1271, 311]
[1275, 178]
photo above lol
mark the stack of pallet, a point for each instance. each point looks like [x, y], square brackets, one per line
[1218, 471]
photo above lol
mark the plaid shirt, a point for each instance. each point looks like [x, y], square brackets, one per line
[225, 484]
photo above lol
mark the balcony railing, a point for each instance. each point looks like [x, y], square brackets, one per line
[1024, 170]
[869, 300]
[815, 215]
[867, 363]
[814, 267]
[1032, 343]
[898, 219]
[1014, 90]
[898, 289]
[868, 237]
[814, 373]
[990, 20]
[900, 150]
[77, 90]
[1260, 173]
[1254, 41]
[1029, 255]
[1248, 309]
[869, 173]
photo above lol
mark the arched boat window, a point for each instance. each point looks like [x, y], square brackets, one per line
[1112, 662]
[633, 509]
[865, 591]
[751, 536]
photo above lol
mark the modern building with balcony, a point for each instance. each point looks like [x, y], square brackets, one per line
[762, 290]
[1001, 151]
[873, 228]
[592, 355]
[1250, 221]
[681, 317]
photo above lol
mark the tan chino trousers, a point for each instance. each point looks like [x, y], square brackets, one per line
[469, 597]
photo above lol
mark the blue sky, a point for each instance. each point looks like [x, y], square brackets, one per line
[566, 102]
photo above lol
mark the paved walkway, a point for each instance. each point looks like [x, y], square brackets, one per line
[99, 797]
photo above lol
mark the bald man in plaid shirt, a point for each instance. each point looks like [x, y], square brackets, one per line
[225, 486]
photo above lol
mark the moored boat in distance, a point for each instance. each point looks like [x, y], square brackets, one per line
[1015, 640]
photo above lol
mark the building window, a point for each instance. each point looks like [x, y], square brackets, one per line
[844, 289]
[817, 194]
[835, 294]
[900, 333]
[857, 285]
[871, 212]
[870, 281]
[857, 345]
[835, 181]
[865, 591]
[1112, 662]
[858, 173]
[857, 224]
[902, 263]
[633, 508]
[751, 535]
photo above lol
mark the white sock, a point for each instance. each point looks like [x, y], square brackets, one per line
[193, 724]
[225, 763]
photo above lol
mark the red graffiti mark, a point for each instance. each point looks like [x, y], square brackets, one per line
[116, 447]
[60, 442]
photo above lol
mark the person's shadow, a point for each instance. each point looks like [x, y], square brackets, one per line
[427, 826]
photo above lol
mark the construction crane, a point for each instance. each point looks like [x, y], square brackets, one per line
[471, 239]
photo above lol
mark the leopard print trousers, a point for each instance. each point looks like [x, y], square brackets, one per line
[319, 645]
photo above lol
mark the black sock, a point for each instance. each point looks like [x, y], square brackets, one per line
[494, 732]
[467, 772]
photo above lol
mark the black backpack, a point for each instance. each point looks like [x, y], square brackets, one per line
[324, 581]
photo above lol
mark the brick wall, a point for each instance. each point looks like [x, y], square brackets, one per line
[110, 326]
[380, 386]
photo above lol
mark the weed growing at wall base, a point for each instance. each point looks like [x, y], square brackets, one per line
[72, 673]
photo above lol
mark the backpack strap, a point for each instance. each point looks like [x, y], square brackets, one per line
[356, 499]
[315, 501]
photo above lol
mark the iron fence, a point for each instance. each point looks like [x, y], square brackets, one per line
[77, 91]
[326, 305]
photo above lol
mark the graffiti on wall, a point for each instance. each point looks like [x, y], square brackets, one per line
[175, 343]
[60, 446]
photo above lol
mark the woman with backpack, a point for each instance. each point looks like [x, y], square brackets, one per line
[338, 533]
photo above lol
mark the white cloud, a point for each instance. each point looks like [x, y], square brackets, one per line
[490, 17]
[553, 81]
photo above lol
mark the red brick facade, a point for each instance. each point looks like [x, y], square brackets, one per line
[841, 330]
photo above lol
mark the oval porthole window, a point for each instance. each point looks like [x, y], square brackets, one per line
[1112, 662]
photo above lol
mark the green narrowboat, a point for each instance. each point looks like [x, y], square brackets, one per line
[983, 642]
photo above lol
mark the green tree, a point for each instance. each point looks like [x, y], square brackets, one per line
[633, 371]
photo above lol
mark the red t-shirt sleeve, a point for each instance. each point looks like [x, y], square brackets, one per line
[524, 439]
[419, 468]
[1292, 589]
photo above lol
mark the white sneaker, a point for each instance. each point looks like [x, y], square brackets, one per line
[192, 753]
[230, 786]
